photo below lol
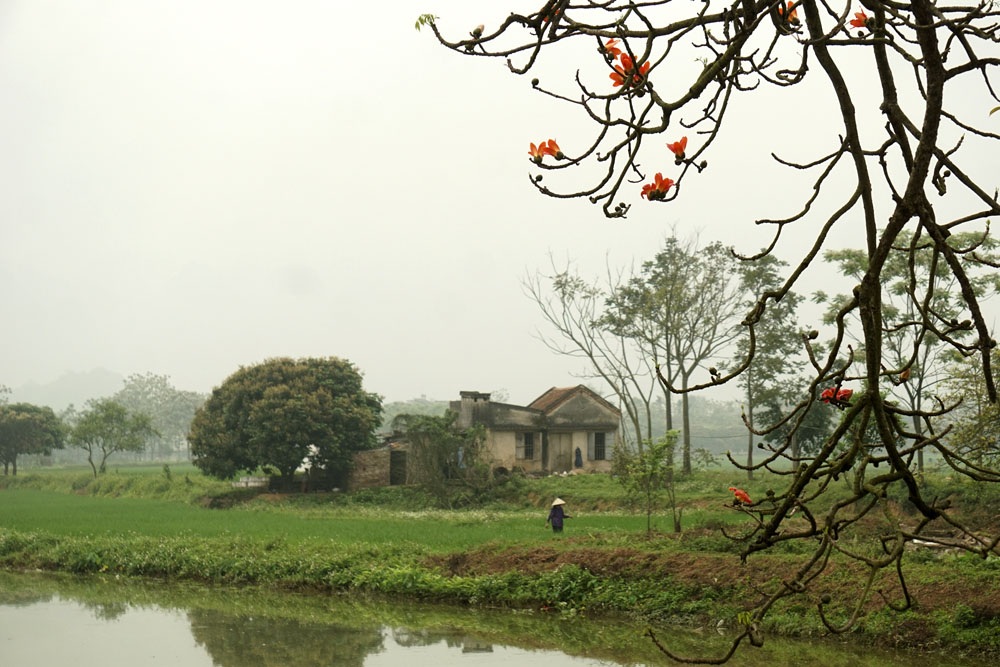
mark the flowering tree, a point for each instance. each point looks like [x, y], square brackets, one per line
[661, 84]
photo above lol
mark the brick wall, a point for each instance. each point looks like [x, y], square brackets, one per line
[371, 469]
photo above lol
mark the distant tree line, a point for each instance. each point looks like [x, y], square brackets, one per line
[147, 419]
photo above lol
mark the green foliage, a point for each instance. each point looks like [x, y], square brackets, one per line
[770, 381]
[680, 311]
[28, 429]
[424, 19]
[378, 541]
[283, 413]
[815, 427]
[916, 276]
[449, 463]
[976, 429]
[648, 474]
[106, 427]
[169, 409]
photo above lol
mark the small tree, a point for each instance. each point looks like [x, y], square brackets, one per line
[649, 474]
[107, 427]
[443, 458]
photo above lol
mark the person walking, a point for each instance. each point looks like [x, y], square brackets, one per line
[556, 515]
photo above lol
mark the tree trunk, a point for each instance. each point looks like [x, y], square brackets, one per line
[686, 435]
[749, 416]
[795, 448]
[920, 452]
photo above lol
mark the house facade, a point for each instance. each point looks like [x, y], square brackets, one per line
[564, 429]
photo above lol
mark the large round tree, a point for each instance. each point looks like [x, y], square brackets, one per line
[285, 412]
[28, 429]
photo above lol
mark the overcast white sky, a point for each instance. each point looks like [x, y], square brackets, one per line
[194, 185]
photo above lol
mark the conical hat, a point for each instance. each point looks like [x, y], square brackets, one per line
[558, 501]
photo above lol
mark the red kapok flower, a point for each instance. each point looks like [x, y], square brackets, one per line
[789, 13]
[538, 152]
[860, 20]
[838, 397]
[658, 188]
[740, 497]
[611, 48]
[678, 147]
[626, 70]
[552, 148]
[544, 148]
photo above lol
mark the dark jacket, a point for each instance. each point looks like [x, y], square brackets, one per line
[556, 516]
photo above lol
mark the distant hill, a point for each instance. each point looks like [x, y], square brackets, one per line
[70, 388]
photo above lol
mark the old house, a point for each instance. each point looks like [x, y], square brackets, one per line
[564, 429]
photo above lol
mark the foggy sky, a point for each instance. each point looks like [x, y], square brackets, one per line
[195, 185]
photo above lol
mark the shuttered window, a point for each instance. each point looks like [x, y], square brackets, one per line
[597, 446]
[525, 446]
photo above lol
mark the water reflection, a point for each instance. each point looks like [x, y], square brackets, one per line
[108, 622]
[260, 641]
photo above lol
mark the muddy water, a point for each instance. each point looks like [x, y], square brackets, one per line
[107, 622]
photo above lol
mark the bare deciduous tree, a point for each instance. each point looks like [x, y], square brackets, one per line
[574, 309]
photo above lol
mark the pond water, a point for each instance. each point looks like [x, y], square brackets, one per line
[108, 622]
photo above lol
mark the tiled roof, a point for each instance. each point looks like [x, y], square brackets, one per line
[552, 398]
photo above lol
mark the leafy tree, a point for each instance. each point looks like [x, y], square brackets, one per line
[915, 277]
[805, 431]
[892, 163]
[283, 413]
[647, 309]
[106, 427]
[707, 328]
[680, 311]
[648, 474]
[171, 411]
[28, 429]
[443, 458]
[769, 378]
[975, 436]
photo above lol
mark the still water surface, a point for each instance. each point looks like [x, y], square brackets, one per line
[100, 622]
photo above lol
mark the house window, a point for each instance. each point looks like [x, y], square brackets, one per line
[526, 446]
[598, 447]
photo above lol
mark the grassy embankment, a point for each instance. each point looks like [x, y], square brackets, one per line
[147, 523]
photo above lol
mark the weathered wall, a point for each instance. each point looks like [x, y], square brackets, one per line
[371, 469]
[503, 451]
[581, 412]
